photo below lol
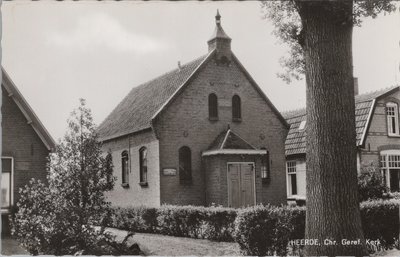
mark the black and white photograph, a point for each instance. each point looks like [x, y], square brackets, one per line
[200, 128]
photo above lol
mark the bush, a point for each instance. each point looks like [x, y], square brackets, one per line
[219, 224]
[58, 218]
[380, 220]
[371, 184]
[264, 230]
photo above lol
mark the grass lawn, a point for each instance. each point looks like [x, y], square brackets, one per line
[154, 244]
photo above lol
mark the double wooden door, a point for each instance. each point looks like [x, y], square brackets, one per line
[241, 184]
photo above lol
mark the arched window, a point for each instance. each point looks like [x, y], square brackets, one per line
[185, 164]
[236, 108]
[213, 107]
[125, 168]
[143, 165]
[392, 116]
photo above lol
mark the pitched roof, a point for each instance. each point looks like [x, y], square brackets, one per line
[229, 140]
[296, 139]
[135, 112]
[27, 111]
[143, 103]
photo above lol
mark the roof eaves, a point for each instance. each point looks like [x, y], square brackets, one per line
[134, 132]
[366, 127]
[182, 86]
[28, 112]
[253, 82]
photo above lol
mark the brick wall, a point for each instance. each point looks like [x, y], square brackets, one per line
[217, 180]
[377, 137]
[186, 123]
[22, 143]
[135, 194]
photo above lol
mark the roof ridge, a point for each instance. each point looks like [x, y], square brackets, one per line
[381, 91]
[171, 71]
[299, 111]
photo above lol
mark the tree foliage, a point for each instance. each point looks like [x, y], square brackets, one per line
[59, 216]
[289, 30]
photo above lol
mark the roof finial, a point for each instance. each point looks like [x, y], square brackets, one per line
[218, 18]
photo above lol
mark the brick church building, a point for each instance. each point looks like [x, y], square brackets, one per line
[202, 134]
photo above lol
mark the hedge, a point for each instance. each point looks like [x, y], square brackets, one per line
[214, 223]
[259, 230]
[380, 220]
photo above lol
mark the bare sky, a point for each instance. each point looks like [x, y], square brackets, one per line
[58, 52]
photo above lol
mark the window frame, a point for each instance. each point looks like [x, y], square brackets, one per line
[291, 171]
[125, 169]
[143, 169]
[390, 117]
[236, 108]
[185, 177]
[8, 209]
[213, 107]
[388, 160]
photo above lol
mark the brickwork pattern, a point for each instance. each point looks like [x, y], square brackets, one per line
[135, 194]
[186, 123]
[21, 142]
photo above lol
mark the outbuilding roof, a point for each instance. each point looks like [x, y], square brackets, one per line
[27, 111]
[364, 105]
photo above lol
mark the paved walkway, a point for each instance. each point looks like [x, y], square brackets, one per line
[10, 246]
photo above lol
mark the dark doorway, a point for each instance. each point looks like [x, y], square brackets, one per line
[394, 180]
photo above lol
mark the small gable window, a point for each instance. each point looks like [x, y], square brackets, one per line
[392, 116]
[143, 166]
[125, 168]
[236, 108]
[213, 107]
[302, 125]
[185, 165]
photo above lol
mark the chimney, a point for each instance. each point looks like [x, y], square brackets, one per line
[179, 65]
[355, 80]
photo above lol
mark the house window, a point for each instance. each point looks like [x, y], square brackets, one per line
[292, 179]
[6, 183]
[213, 107]
[236, 108]
[185, 164]
[392, 115]
[390, 169]
[265, 167]
[143, 165]
[125, 168]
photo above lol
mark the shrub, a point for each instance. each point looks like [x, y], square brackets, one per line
[58, 218]
[264, 230]
[380, 220]
[219, 224]
[183, 221]
[371, 184]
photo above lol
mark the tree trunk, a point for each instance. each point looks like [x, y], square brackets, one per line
[332, 198]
